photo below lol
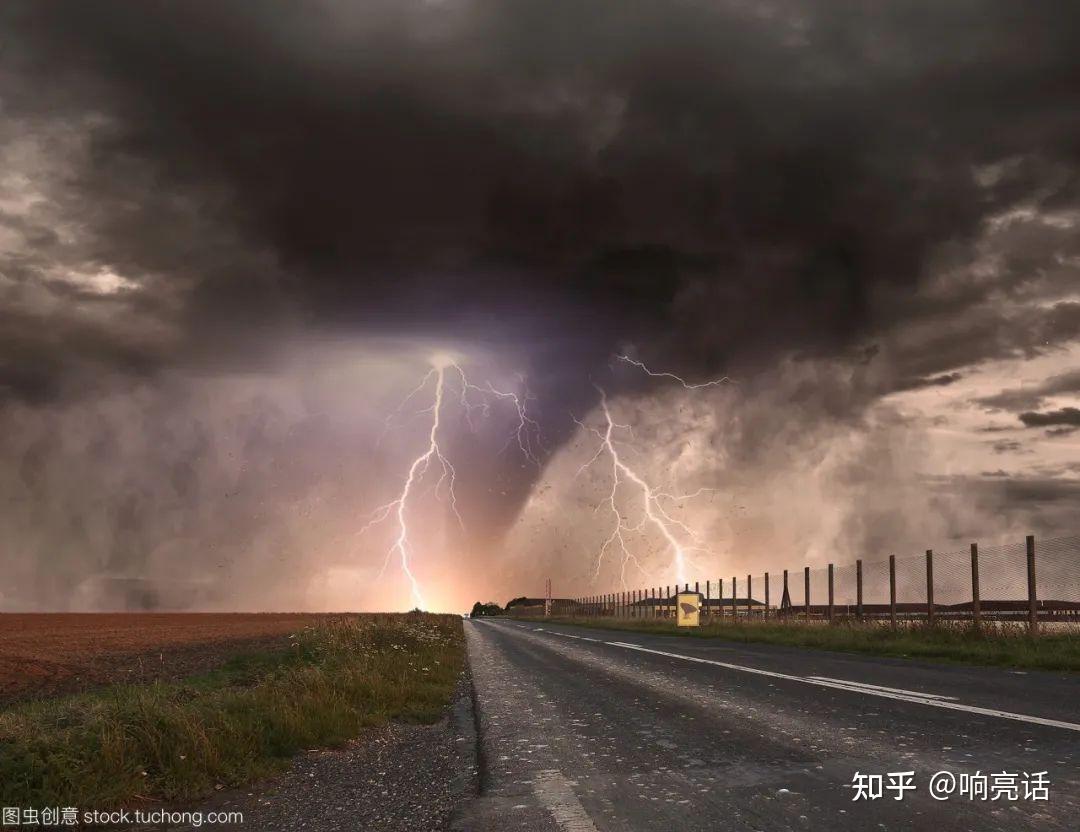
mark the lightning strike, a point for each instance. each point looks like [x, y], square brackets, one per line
[679, 538]
[653, 512]
[713, 383]
[526, 432]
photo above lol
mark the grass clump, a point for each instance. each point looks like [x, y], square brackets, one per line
[994, 644]
[181, 740]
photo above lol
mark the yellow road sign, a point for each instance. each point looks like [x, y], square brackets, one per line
[688, 609]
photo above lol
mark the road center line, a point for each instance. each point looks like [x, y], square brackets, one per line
[917, 698]
[931, 699]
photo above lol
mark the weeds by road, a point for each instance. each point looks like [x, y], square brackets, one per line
[1005, 645]
[180, 740]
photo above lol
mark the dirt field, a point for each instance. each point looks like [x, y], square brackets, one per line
[50, 653]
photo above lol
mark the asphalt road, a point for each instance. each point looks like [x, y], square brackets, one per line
[584, 730]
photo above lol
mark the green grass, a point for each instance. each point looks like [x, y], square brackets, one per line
[182, 740]
[1007, 645]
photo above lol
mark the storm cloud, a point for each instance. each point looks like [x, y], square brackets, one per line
[1065, 416]
[207, 191]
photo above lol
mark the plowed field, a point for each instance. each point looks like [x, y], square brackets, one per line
[47, 654]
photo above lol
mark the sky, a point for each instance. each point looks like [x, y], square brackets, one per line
[244, 246]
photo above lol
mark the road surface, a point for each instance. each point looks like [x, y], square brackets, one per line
[584, 730]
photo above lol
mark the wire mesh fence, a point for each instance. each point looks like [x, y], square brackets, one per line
[1026, 580]
[1058, 569]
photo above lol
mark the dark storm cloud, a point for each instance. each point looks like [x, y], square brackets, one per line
[1008, 446]
[1064, 416]
[1026, 398]
[712, 182]
[191, 191]
[931, 381]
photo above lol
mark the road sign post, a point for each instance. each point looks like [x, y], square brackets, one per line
[688, 609]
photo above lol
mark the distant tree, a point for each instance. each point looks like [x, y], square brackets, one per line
[513, 602]
[483, 610]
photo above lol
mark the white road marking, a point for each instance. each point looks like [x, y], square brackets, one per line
[918, 698]
[557, 796]
[850, 684]
[932, 699]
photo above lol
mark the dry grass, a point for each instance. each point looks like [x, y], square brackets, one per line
[181, 740]
[999, 644]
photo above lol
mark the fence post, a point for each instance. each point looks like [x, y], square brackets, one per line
[892, 590]
[976, 608]
[930, 586]
[766, 616]
[806, 598]
[1033, 604]
[858, 589]
[749, 593]
[785, 595]
[830, 593]
[720, 596]
[734, 599]
[708, 595]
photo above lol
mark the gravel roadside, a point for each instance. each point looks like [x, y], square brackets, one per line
[397, 778]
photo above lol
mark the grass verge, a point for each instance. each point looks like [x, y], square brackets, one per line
[181, 740]
[1007, 645]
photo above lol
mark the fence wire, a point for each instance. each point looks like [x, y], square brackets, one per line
[1003, 572]
[1000, 572]
[1057, 569]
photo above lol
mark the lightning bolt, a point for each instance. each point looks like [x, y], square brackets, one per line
[526, 432]
[713, 383]
[679, 538]
[653, 512]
